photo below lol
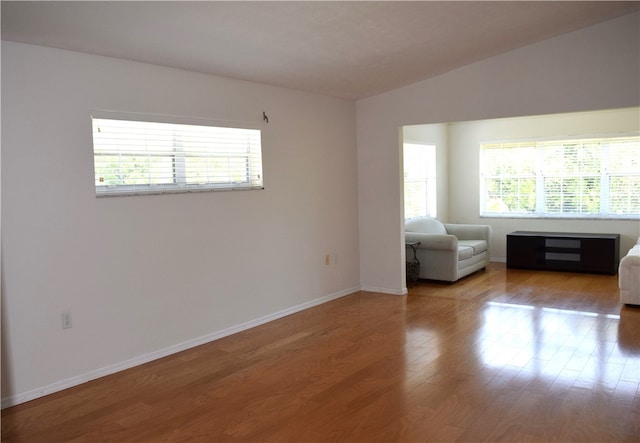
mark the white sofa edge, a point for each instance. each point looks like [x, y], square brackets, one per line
[629, 276]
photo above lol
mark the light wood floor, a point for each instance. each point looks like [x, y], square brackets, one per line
[502, 355]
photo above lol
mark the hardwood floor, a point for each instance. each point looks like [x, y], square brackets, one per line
[502, 355]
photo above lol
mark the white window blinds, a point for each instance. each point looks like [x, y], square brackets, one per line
[419, 180]
[139, 157]
[598, 177]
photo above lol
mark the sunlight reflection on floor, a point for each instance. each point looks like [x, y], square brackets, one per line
[576, 347]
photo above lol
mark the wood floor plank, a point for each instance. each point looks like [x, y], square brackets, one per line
[502, 355]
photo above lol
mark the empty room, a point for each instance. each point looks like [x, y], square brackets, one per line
[320, 221]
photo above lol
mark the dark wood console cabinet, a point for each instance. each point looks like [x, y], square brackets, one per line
[561, 251]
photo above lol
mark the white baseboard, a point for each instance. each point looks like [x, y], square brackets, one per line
[402, 291]
[136, 361]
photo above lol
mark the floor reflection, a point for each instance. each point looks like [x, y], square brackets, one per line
[629, 330]
[565, 346]
[524, 356]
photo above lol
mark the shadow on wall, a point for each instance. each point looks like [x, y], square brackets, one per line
[6, 390]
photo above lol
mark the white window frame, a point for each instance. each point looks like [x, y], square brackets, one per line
[602, 174]
[425, 175]
[206, 144]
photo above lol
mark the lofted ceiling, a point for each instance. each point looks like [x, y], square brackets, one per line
[349, 50]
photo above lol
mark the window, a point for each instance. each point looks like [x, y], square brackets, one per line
[419, 180]
[566, 178]
[142, 157]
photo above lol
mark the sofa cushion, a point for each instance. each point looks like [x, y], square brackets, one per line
[464, 252]
[425, 225]
[477, 245]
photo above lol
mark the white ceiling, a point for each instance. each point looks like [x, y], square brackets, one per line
[350, 50]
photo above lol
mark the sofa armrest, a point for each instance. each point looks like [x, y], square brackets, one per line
[629, 270]
[631, 261]
[469, 232]
[433, 241]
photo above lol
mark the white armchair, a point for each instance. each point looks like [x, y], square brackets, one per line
[448, 252]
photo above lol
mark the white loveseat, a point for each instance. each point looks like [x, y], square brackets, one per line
[629, 276]
[448, 252]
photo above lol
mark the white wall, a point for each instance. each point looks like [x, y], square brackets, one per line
[143, 276]
[465, 138]
[594, 68]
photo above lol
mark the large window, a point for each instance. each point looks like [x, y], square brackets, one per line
[419, 180]
[563, 178]
[141, 157]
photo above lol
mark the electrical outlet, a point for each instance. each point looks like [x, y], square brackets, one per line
[66, 320]
[327, 260]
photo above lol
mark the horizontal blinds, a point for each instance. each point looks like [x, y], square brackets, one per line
[419, 180]
[140, 157]
[509, 177]
[571, 172]
[594, 177]
[623, 167]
